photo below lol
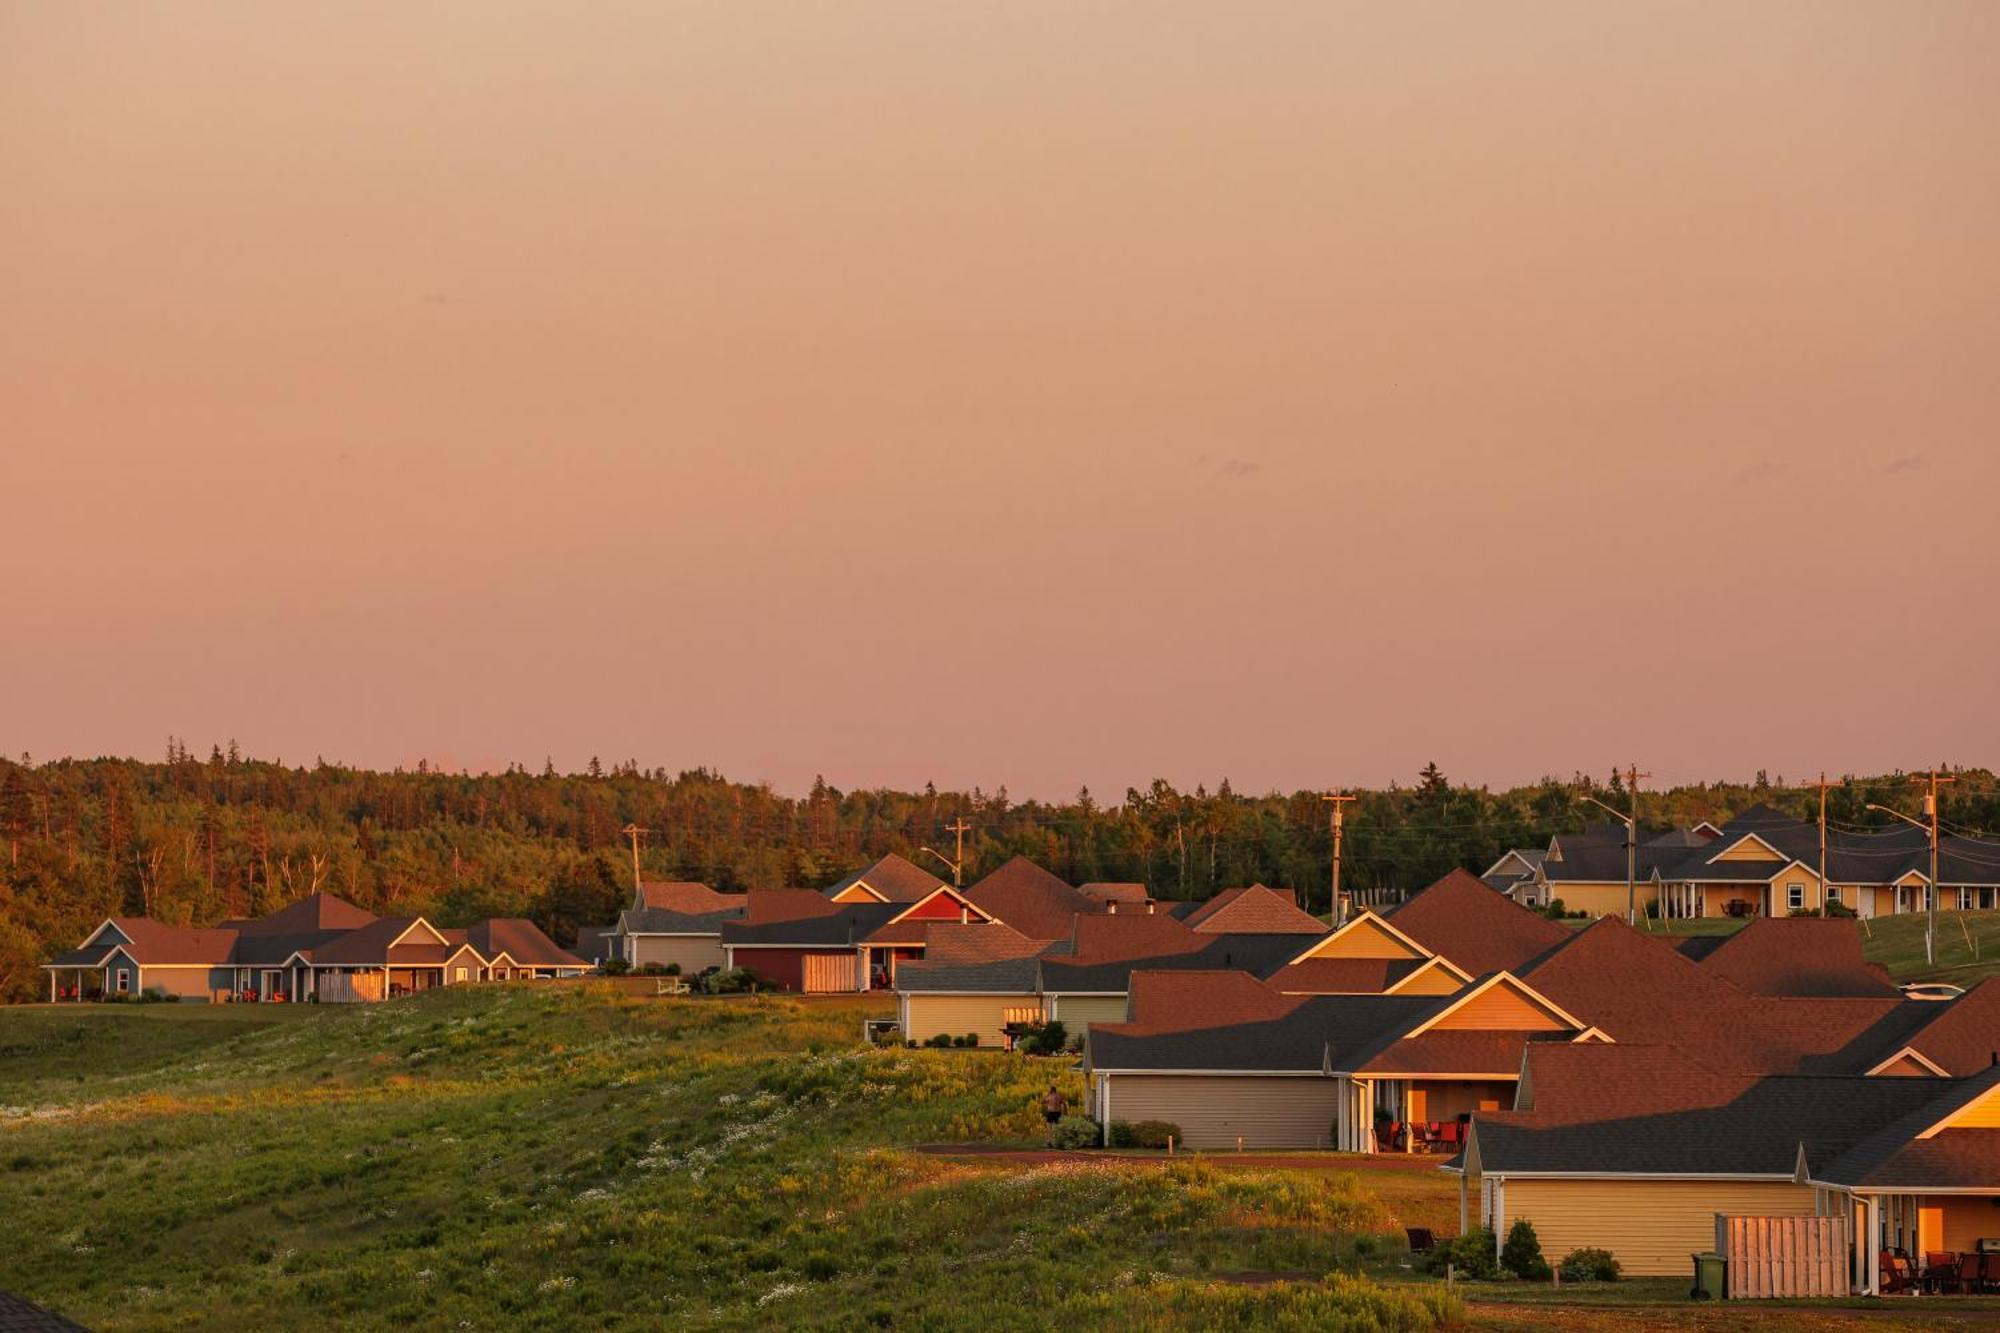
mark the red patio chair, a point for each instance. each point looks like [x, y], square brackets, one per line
[1894, 1275]
[1969, 1273]
[1940, 1272]
[1989, 1272]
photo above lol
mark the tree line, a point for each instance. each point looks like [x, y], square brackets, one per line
[193, 840]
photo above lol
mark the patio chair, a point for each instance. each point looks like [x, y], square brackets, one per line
[1940, 1271]
[1969, 1266]
[1989, 1272]
[1895, 1274]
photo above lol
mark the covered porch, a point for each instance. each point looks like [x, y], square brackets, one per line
[1935, 1242]
[1415, 1115]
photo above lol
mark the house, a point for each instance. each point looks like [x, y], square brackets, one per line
[1636, 1149]
[1480, 931]
[673, 924]
[1367, 956]
[320, 947]
[803, 940]
[1090, 983]
[1956, 1039]
[972, 978]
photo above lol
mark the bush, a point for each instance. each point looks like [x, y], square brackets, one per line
[614, 967]
[1835, 907]
[1155, 1133]
[939, 1040]
[652, 970]
[673, 969]
[1120, 1133]
[734, 981]
[889, 1037]
[1589, 1265]
[1076, 1131]
[1522, 1254]
[971, 1040]
[1554, 911]
[1471, 1254]
[1044, 1039]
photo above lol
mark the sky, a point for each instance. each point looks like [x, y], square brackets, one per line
[1038, 394]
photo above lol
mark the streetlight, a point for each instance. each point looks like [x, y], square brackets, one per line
[1631, 823]
[1930, 920]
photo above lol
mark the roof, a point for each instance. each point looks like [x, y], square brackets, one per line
[1184, 1000]
[1799, 956]
[89, 956]
[1254, 910]
[1111, 937]
[1609, 1109]
[1116, 893]
[662, 921]
[153, 943]
[521, 940]
[314, 912]
[1496, 1053]
[1215, 1026]
[1003, 975]
[893, 879]
[1259, 955]
[1344, 976]
[369, 945]
[686, 896]
[1962, 1035]
[19, 1316]
[1479, 930]
[1031, 900]
[840, 924]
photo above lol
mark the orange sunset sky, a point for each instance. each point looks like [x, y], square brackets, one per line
[1037, 394]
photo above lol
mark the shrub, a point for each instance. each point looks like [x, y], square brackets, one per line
[971, 1040]
[956, 1043]
[652, 970]
[1076, 1131]
[615, 967]
[1589, 1265]
[1155, 1133]
[1471, 1254]
[735, 980]
[939, 1040]
[1522, 1254]
[889, 1037]
[1044, 1039]
[1554, 910]
[673, 969]
[1120, 1133]
[1837, 908]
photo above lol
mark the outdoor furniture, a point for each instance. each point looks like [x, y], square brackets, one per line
[1969, 1273]
[1940, 1272]
[1422, 1241]
[1989, 1272]
[672, 986]
[1895, 1274]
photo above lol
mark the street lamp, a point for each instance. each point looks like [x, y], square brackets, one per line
[1930, 920]
[1631, 823]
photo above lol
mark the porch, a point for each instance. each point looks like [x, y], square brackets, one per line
[1925, 1243]
[1414, 1115]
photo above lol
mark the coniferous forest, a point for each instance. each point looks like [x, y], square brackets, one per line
[196, 838]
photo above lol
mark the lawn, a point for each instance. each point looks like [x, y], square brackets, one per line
[563, 1156]
[1968, 942]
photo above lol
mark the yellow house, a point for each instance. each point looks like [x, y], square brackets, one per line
[1368, 956]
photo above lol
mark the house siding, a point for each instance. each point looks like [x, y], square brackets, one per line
[692, 952]
[1651, 1226]
[1436, 981]
[1498, 1010]
[1598, 899]
[956, 1015]
[189, 983]
[1213, 1111]
[1365, 940]
[1078, 1012]
[784, 968]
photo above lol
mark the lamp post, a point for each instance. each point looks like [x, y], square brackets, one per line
[1631, 823]
[1930, 920]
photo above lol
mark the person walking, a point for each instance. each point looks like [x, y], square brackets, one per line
[1054, 1107]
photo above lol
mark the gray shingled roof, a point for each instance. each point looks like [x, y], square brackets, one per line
[1893, 1156]
[851, 924]
[1261, 955]
[1004, 976]
[663, 921]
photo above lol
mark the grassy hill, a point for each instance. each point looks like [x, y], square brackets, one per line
[557, 1157]
[1968, 942]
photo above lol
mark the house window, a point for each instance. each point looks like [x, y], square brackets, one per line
[124, 981]
[1795, 896]
[458, 974]
[1832, 893]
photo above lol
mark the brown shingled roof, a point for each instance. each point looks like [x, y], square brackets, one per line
[686, 896]
[1185, 1001]
[1031, 900]
[1111, 939]
[1344, 976]
[1478, 929]
[1818, 956]
[1254, 910]
[1964, 1037]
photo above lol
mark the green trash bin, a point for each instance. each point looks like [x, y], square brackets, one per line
[1711, 1273]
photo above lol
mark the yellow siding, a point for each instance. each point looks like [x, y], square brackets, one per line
[1966, 1220]
[1499, 1009]
[1077, 1012]
[692, 952]
[1212, 1112]
[1982, 1114]
[1364, 939]
[1750, 849]
[956, 1015]
[1434, 981]
[1652, 1226]
[1448, 1101]
[854, 893]
[1596, 899]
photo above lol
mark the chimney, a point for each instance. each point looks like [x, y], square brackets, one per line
[964, 917]
[1149, 907]
[1112, 907]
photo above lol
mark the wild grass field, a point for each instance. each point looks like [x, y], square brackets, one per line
[559, 1157]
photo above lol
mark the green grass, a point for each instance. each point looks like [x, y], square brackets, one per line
[1968, 946]
[563, 1156]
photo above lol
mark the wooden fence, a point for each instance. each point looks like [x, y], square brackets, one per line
[349, 987]
[832, 972]
[1784, 1256]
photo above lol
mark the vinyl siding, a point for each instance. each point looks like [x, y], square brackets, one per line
[1212, 1111]
[956, 1015]
[1079, 1011]
[1982, 1114]
[1652, 1226]
[692, 952]
[1595, 899]
[1436, 981]
[1365, 940]
[191, 983]
[1750, 849]
[1498, 1010]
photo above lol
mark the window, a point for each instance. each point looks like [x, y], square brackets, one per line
[459, 974]
[1833, 893]
[1795, 896]
[124, 981]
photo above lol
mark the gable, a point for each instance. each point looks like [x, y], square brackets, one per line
[1905, 1063]
[1366, 936]
[1436, 977]
[858, 893]
[941, 904]
[1501, 1004]
[1749, 847]
[108, 933]
[1982, 1112]
[419, 928]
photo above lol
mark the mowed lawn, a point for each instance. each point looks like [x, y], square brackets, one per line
[1968, 949]
[565, 1156]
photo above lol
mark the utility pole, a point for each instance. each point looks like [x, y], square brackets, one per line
[1822, 784]
[1630, 819]
[1339, 802]
[634, 832]
[1929, 824]
[958, 829]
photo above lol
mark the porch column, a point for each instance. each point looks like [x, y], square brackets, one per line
[52, 985]
[1872, 1280]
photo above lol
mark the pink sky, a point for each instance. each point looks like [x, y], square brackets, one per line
[1034, 394]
